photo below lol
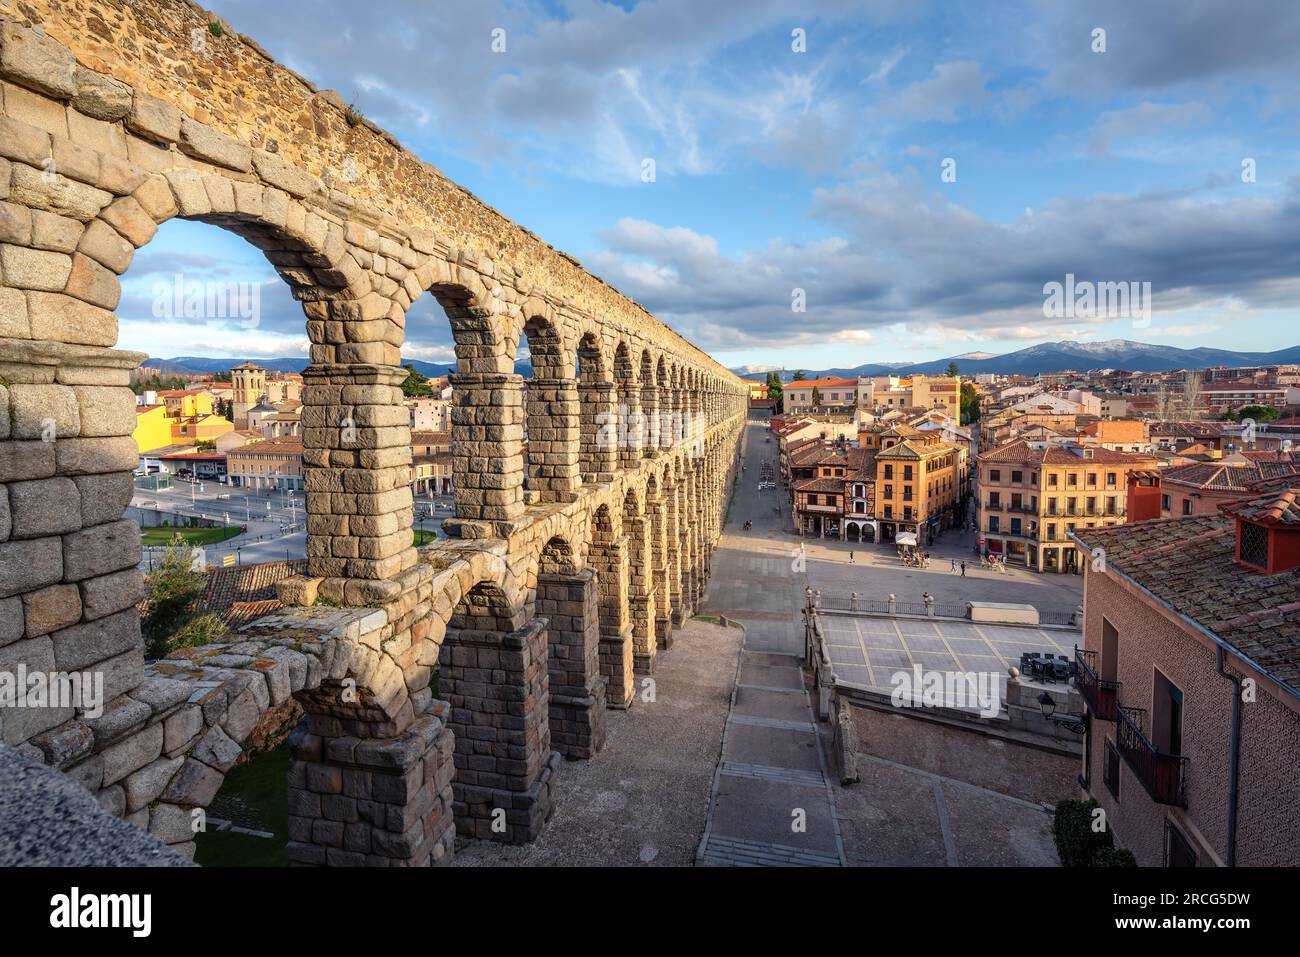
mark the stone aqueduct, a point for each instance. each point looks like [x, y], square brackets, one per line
[118, 116]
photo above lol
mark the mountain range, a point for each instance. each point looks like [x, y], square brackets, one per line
[1044, 357]
[1063, 356]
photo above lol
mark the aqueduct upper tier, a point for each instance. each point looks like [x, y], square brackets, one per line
[588, 501]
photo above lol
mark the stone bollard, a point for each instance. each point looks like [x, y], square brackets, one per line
[929, 606]
[1077, 620]
[853, 601]
[891, 604]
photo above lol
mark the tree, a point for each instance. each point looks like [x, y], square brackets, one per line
[774, 390]
[816, 398]
[1161, 404]
[952, 369]
[1191, 392]
[798, 376]
[1256, 413]
[970, 403]
[416, 384]
[173, 586]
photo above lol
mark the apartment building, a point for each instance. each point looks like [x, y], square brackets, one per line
[827, 395]
[274, 464]
[1031, 496]
[1231, 395]
[1117, 435]
[1190, 671]
[919, 488]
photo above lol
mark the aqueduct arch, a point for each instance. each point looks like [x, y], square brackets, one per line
[98, 146]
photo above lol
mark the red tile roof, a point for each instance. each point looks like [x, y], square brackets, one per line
[1189, 564]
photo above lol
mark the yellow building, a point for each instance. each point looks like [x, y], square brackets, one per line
[184, 403]
[185, 417]
[918, 488]
[1032, 495]
[153, 430]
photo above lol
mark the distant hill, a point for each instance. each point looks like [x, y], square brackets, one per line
[190, 365]
[1061, 357]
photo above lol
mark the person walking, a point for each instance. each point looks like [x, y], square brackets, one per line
[850, 558]
[963, 569]
[952, 566]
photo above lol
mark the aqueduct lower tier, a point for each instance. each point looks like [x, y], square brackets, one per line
[585, 515]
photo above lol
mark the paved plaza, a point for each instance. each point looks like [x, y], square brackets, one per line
[867, 651]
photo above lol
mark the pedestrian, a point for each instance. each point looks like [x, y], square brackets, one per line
[963, 569]
[952, 566]
[850, 558]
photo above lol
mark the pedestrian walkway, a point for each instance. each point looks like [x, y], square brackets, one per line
[771, 802]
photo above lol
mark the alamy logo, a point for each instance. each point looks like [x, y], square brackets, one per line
[83, 690]
[74, 910]
[178, 299]
[1098, 300]
[964, 690]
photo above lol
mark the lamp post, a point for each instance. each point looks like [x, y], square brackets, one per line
[1071, 722]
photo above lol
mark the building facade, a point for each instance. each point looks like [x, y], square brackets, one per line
[1192, 685]
[1032, 496]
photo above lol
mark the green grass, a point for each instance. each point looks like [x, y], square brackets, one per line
[424, 537]
[191, 536]
[255, 795]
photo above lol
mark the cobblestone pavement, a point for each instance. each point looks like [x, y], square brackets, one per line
[644, 798]
[772, 803]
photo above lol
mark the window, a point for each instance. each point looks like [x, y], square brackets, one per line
[1166, 715]
[1051, 479]
[1254, 544]
[1017, 477]
[1110, 769]
[1164, 503]
[995, 475]
[1178, 849]
[1187, 506]
[889, 472]
[993, 523]
[1110, 478]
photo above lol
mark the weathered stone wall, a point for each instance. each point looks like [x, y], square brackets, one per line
[116, 117]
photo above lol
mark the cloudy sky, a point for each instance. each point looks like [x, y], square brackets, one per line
[915, 173]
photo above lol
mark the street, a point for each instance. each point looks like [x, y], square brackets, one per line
[276, 520]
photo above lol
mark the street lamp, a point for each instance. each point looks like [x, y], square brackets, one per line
[1071, 722]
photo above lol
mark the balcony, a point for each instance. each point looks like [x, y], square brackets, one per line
[1101, 696]
[1161, 774]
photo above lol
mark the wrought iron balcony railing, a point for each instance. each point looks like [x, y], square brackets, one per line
[1161, 774]
[1101, 696]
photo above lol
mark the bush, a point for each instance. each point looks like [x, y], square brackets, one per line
[1113, 857]
[1079, 845]
[199, 630]
[173, 586]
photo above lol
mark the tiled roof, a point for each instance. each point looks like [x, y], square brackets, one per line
[1022, 452]
[1276, 507]
[820, 485]
[279, 445]
[1221, 477]
[230, 591]
[1189, 563]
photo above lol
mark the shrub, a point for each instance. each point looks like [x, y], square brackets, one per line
[1078, 844]
[199, 630]
[1113, 857]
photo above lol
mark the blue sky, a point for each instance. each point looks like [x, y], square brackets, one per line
[820, 170]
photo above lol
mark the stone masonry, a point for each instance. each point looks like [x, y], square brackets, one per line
[99, 146]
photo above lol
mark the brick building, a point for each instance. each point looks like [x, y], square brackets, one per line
[1191, 673]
